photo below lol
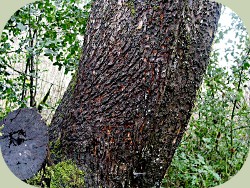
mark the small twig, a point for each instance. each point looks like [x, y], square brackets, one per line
[242, 127]
[19, 72]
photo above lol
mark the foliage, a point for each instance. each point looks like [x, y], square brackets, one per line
[64, 174]
[48, 31]
[216, 144]
[41, 31]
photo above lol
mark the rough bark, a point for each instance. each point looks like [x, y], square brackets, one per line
[124, 115]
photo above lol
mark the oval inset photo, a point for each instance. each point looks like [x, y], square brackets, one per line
[24, 142]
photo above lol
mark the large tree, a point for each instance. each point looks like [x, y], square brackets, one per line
[129, 104]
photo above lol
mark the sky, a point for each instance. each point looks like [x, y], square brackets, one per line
[230, 40]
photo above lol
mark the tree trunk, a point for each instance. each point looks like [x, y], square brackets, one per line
[124, 114]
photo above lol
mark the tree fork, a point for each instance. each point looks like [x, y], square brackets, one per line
[124, 114]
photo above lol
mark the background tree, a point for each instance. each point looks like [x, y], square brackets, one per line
[124, 114]
[39, 34]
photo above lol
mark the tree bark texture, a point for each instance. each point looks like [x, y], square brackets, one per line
[124, 114]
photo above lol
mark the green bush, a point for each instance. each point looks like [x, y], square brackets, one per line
[65, 174]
